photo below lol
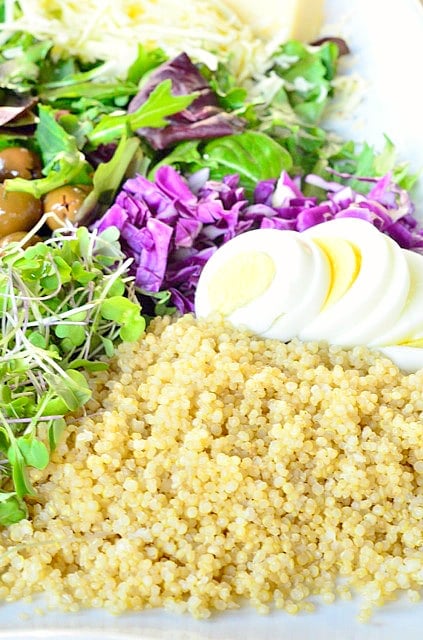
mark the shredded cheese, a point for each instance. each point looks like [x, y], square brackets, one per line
[110, 30]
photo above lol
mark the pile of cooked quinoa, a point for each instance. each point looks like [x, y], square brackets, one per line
[214, 467]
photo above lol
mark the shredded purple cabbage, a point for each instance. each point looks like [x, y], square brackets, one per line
[171, 227]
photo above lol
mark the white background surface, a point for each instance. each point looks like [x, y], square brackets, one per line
[386, 37]
[386, 41]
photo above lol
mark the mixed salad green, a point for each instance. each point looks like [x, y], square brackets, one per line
[174, 160]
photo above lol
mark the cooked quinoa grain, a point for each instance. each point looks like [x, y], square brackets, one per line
[214, 466]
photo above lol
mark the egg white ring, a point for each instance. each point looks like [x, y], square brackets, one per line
[293, 263]
[409, 325]
[387, 309]
[310, 298]
[408, 359]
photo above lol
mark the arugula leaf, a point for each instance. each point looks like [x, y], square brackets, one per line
[52, 71]
[52, 138]
[231, 96]
[20, 57]
[152, 113]
[68, 170]
[107, 179]
[308, 74]
[63, 162]
[65, 72]
[144, 62]
[94, 90]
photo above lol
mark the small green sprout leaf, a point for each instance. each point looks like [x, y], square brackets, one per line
[55, 432]
[54, 407]
[108, 347]
[11, 509]
[117, 288]
[21, 482]
[125, 313]
[4, 440]
[34, 451]
[88, 365]
[118, 308]
[132, 329]
[38, 340]
[5, 395]
[74, 333]
[81, 275]
[72, 388]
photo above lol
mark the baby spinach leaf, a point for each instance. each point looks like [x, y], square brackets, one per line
[253, 156]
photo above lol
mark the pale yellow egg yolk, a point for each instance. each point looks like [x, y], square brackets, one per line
[240, 280]
[345, 261]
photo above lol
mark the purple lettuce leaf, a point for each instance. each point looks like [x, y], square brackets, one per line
[203, 119]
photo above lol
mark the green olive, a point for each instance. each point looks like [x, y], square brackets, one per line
[18, 211]
[65, 203]
[17, 236]
[19, 162]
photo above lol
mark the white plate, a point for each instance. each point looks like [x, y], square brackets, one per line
[386, 37]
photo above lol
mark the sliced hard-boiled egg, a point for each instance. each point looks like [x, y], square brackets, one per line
[259, 276]
[379, 284]
[343, 282]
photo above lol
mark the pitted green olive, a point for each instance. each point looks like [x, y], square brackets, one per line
[18, 211]
[64, 202]
[19, 162]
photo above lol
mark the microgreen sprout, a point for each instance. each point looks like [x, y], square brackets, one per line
[64, 305]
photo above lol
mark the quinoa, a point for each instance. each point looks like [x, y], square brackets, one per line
[214, 467]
